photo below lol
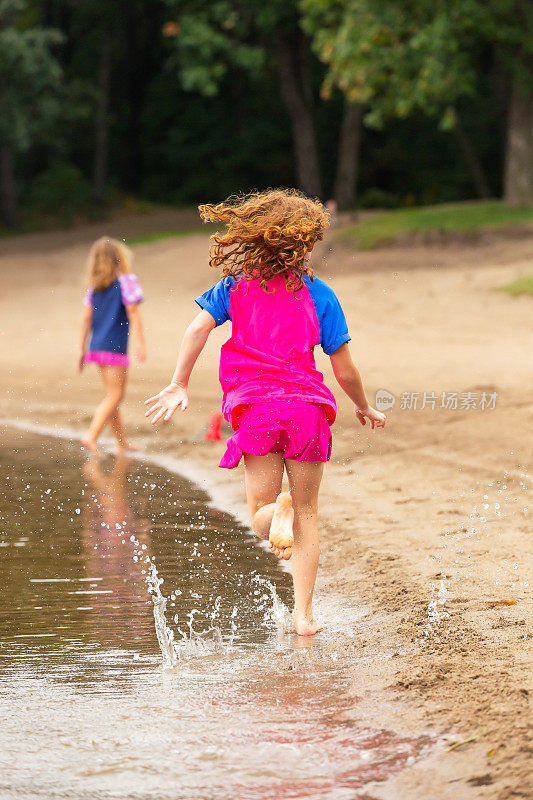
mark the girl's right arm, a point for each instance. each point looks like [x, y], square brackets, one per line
[175, 394]
[84, 333]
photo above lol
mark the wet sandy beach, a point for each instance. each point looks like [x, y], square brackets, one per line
[244, 711]
[424, 529]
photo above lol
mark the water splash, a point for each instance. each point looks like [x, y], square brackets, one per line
[199, 644]
[277, 614]
[493, 503]
[238, 614]
[436, 612]
[165, 635]
[193, 644]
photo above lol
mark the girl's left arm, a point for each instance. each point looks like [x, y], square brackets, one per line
[134, 315]
[84, 334]
[174, 395]
[349, 379]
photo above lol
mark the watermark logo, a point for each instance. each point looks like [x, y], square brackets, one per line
[452, 401]
[384, 400]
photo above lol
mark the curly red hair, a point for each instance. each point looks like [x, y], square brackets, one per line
[268, 233]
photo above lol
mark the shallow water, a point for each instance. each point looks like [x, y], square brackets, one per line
[247, 710]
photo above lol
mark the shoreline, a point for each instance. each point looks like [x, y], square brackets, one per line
[376, 705]
[384, 715]
[196, 474]
[396, 505]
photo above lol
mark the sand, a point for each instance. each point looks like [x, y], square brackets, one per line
[404, 530]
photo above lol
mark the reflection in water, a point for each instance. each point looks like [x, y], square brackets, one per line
[88, 705]
[109, 553]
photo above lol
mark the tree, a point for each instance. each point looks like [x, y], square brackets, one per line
[111, 52]
[212, 38]
[99, 22]
[344, 190]
[101, 138]
[296, 91]
[400, 57]
[518, 177]
[30, 78]
[393, 59]
[508, 24]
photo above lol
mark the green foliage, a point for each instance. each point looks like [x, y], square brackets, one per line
[521, 286]
[199, 148]
[396, 58]
[460, 218]
[399, 57]
[377, 198]
[195, 111]
[30, 77]
[508, 26]
[61, 189]
[209, 39]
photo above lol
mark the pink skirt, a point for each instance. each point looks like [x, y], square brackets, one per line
[298, 430]
[108, 359]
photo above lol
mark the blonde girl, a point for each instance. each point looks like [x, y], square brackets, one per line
[111, 304]
[274, 397]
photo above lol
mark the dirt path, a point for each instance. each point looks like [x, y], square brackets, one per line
[426, 522]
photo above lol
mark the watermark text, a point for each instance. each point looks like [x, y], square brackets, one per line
[450, 401]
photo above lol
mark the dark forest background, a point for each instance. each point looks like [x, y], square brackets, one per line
[377, 104]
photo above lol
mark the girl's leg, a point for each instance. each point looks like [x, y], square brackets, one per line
[114, 380]
[304, 484]
[115, 421]
[263, 476]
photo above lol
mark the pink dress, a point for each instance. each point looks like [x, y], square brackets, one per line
[274, 397]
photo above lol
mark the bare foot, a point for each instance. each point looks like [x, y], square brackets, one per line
[304, 624]
[90, 445]
[281, 539]
[124, 446]
[284, 553]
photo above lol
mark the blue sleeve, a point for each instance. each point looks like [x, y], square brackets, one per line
[216, 300]
[331, 319]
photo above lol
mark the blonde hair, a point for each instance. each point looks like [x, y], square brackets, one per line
[107, 257]
[268, 233]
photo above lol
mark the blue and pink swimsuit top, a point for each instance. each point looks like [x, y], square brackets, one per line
[269, 357]
[110, 324]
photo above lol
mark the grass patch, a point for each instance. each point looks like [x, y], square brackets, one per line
[520, 286]
[453, 218]
[159, 236]
[33, 221]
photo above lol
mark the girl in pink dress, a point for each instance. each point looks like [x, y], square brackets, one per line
[111, 304]
[274, 397]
